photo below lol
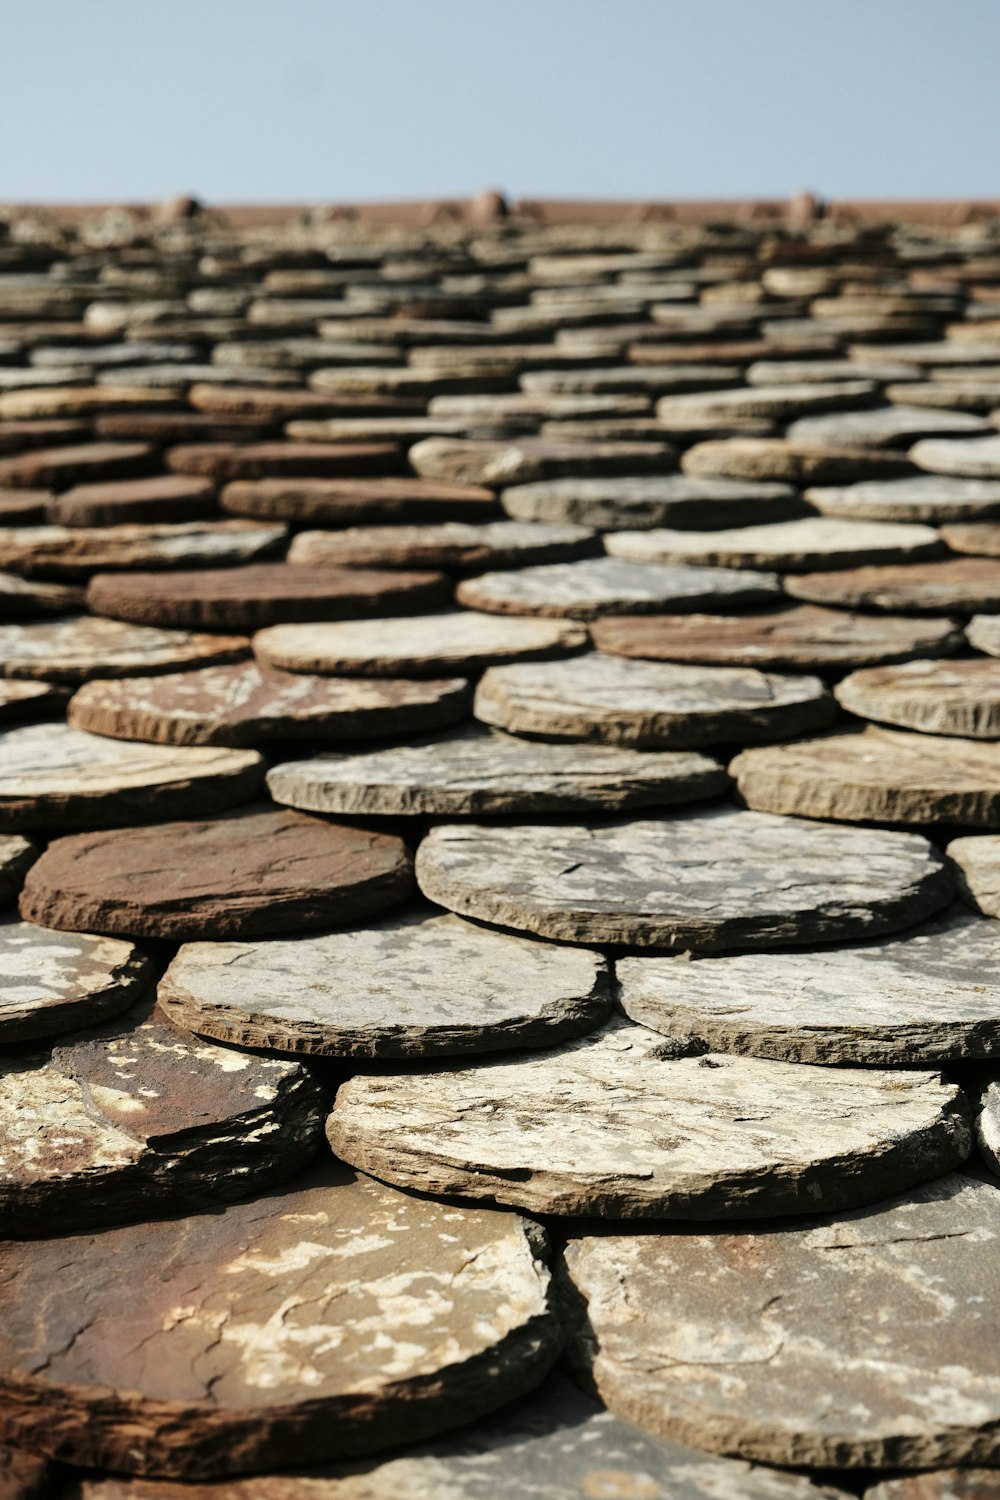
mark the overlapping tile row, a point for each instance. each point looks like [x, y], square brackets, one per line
[500, 843]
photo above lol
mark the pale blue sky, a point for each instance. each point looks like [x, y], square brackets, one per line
[300, 100]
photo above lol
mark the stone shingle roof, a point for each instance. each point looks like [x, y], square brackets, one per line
[499, 780]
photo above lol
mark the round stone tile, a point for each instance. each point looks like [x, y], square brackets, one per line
[617, 1125]
[655, 883]
[411, 985]
[249, 873]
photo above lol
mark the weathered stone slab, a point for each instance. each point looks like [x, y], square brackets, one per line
[24, 1476]
[52, 982]
[526, 408]
[887, 427]
[284, 405]
[225, 461]
[65, 400]
[801, 371]
[476, 772]
[943, 1484]
[952, 698]
[418, 645]
[652, 704]
[656, 883]
[262, 594]
[884, 775]
[557, 1444]
[837, 1339]
[23, 507]
[970, 391]
[779, 401]
[930, 995]
[52, 776]
[798, 636]
[953, 585]
[617, 1124]
[247, 705]
[977, 869]
[175, 427]
[164, 497]
[974, 458]
[329, 1320]
[610, 585]
[406, 986]
[468, 461]
[244, 874]
[75, 463]
[673, 500]
[17, 855]
[76, 551]
[783, 546]
[29, 700]
[983, 632]
[981, 538]
[28, 598]
[454, 545]
[345, 501]
[77, 647]
[791, 463]
[137, 1118]
[920, 497]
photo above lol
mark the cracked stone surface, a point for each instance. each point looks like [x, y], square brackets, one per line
[479, 772]
[886, 775]
[53, 776]
[656, 882]
[249, 873]
[654, 704]
[800, 635]
[52, 982]
[670, 500]
[418, 646]
[959, 698]
[926, 995]
[137, 1118]
[919, 497]
[331, 1319]
[611, 586]
[245, 704]
[953, 585]
[78, 647]
[556, 1444]
[794, 1377]
[784, 546]
[266, 594]
[448, 544]
[609, 1125]
[76, 551]
[410, 985]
